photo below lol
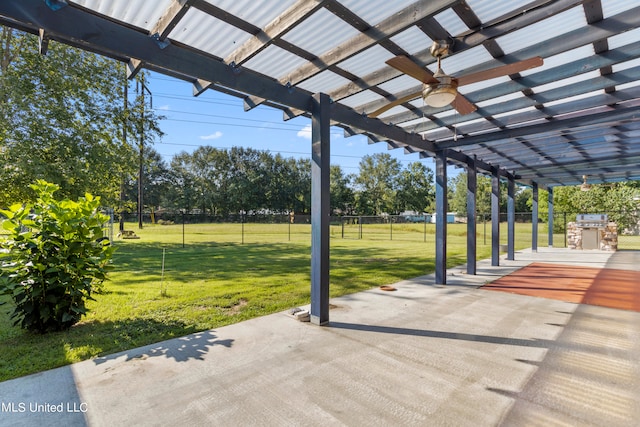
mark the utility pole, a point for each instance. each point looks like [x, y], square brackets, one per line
[143, 88]
[125, 123]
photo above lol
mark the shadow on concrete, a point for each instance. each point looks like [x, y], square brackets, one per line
[190, 347]
[588, 377]
[439, 334]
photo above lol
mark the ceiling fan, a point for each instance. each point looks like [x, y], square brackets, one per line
[441, 89]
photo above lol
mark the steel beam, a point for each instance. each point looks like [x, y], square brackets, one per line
[534, 217]
[550, 204]
[441, 217]
[495, 217]
[511, 218]
[472, 186]
[320, 154]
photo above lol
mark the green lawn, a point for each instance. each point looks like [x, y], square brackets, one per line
[215, 279]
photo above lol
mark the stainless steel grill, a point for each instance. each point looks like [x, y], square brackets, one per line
[592, 226]
[592, 220]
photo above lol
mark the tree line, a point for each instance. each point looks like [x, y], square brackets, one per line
[222, 182]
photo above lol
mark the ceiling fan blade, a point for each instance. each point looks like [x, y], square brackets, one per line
[503, 70]
[462, 105]
[392, 104]
[410, 68]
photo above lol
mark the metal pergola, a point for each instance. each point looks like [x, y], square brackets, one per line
[548, 126]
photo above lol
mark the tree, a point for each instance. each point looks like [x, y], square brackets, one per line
[60, 119]
[618, 200]
[458, 195]
[416, 190]
[377, 183]
[157, 176]
[342, 195]
[182, 193]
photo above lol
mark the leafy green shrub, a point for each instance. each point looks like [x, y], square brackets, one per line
[53, 258]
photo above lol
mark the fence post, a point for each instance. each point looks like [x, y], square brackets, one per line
[565, 229]
[342, 222]
[390, 227]
[425, 229]
[360, 225]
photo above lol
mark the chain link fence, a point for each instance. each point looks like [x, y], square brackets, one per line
[285, 227]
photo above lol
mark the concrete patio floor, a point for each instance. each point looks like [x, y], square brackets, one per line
[423, 355]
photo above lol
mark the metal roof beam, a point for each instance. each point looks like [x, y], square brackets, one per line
[389, 27]
[580, 37]
[560, 93]
[170, 18]
[547, 112]
[277, 28]
[400, 21]
[613, 117]
[462, 42]
[76, 26]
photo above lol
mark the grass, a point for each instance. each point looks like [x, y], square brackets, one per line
[215, 279]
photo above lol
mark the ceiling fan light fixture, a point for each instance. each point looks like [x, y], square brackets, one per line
[442, 93]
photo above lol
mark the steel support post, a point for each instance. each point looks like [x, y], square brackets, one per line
[550, 202]
[511, 218]
[534, 218]
[495, 217]
[320, 210]
[441, 217]
[472, 186]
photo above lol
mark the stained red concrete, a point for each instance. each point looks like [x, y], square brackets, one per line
[604, 287]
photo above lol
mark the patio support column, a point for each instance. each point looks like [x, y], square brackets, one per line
[441, 217]
[511, 218]
[472, 186]
[534, 218]
[550, 201]
[495, 217]
[320, 211]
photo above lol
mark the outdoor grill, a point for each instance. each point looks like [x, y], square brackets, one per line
[592, 227]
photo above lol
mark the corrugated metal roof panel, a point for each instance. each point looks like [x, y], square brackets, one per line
[140, 13]
[321, 32]
[463, 60]
[374, 11]
[451, 22]
[360, 98]
[367, 61]
[500, 99]
[412, 40]
[275, 62]
[256, 12]
[483, 85]
[624, 39]
[562, 59]
[615, 7]
[553, 26]
[399, 84]
[487, 11]
[194, 30]
[324, 82]
[565, 82]
[573, 98]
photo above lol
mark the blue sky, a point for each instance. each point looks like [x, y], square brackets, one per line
[219, 120]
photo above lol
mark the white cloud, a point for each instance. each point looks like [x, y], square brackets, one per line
[215, 135]
[163, 107]
[305, 132]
